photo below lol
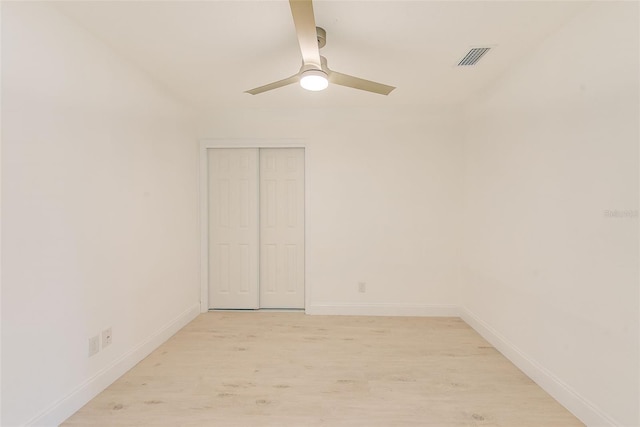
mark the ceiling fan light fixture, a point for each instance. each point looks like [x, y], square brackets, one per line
[314, 80]
[314, 73]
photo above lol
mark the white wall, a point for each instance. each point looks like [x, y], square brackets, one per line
[548, 276]
[100, 229]
[99, 197]
[383, 191]
[0, 214]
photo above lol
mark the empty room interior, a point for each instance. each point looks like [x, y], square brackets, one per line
[446, 234]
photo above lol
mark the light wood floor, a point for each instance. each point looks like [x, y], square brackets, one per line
[289, 369]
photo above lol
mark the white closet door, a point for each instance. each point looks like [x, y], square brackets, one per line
[233, 228]
[282, 228]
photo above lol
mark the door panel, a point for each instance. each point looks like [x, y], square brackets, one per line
[233, 228]
[282, 228]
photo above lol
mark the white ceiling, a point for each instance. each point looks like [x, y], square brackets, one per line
[208, 53]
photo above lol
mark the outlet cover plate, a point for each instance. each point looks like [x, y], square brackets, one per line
[94, 345]
[107, 337]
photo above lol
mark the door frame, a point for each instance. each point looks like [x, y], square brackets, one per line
[203, 219]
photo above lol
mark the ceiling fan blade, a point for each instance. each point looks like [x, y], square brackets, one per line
[358, 83]
[275, 85]
[305, 22]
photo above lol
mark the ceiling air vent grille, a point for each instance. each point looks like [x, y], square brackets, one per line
[473, 56]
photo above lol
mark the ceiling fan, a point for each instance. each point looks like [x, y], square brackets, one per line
[315, 74]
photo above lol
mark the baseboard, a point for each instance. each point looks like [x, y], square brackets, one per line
[584, 410]
[68, 405]
[384, 310]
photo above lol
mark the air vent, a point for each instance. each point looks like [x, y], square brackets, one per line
[473, 56]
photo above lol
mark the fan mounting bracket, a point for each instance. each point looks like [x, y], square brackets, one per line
[322, 37]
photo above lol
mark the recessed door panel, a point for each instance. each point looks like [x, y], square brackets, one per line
[233, 228]
[282, 228]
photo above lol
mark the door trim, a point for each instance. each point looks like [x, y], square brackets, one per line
[206, 144]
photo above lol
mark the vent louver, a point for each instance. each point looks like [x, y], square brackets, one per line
[473, 56]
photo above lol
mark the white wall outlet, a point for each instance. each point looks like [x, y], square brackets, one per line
[362, 287]
[107, 337]
[94, 345]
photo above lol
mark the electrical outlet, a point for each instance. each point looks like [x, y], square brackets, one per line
[107, 337]
[94, 345]
[362, 287]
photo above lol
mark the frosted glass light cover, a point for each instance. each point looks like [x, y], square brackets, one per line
[314, 80]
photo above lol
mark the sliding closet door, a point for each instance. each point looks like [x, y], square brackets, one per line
[282, 228]
[233, 228]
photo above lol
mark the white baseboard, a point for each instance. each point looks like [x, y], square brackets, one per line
[68, 405]
[384, 310]
[584, 410]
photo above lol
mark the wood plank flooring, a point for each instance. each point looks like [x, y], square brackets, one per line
[289, 369]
